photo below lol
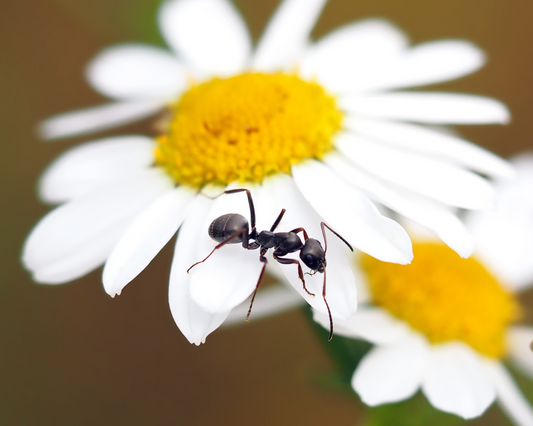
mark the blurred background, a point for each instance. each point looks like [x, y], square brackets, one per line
[71, 355]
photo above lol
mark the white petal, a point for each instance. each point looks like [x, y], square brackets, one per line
[374, 325]
[391, 373]
[510, 398]
[457, 382]
[268, 302]
[364, 294]
[422, 210]
[85, 167]
[77, 237]
[341, 290]
[144, 238]
[352, 214]
[504, 236]
[428, 176]
[427, 63]
[136, 71]
[287, 34]
[351, 53]
[275, 271]
[209, 35]
[435, 143]
[231, 274]
[98, 118]
[519, 339]
[194, 322]
[428, 107]
[523, 163]
[226, 279]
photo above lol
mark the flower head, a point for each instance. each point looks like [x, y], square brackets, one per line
[444, 324]
[306, 126]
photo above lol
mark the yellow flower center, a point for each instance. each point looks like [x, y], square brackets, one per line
[445, 297]
[246, 128]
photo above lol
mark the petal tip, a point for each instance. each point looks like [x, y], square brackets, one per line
[465, 254]
[45, 131]
[504, 115]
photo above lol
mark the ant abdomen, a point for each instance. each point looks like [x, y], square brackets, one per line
[227, 225]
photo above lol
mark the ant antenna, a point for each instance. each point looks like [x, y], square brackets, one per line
[329, 310]
[323, 226]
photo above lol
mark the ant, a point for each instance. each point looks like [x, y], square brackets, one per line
[233, 228]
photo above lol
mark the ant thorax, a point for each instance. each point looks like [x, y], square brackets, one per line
[266, 239]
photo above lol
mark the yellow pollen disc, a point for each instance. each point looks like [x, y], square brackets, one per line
[246, 128]
[445, 297]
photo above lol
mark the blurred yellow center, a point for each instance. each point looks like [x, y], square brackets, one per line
[246, 128]
[445, 297]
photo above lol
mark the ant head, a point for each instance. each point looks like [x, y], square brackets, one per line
[313, 255]
[315, 263]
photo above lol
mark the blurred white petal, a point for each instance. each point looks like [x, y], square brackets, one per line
[137, 71]
[519, 340]
[98, 118]
[209, 35]
[286, 34]
[504, 236]
[511, 399]
[97, 163]
[391, 373]
[456, 381]
[428, 107]
[374, 325]
[427, 63]
[434, 143]
[348, 54]
[431, 177]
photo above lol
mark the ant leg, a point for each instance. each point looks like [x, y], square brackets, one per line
[322, 225]
[285, 261]
[223, 243]
[306, 237]
[327, 306]
[263, 259]
[250, 204]
[277, 221]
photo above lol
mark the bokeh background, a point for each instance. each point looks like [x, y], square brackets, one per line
[71, 355]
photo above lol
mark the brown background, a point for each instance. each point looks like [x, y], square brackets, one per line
[70, 355]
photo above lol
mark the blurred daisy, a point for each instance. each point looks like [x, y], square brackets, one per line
[308, 127]
[444, 324]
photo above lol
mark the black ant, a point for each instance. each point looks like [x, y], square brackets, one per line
[233, 228]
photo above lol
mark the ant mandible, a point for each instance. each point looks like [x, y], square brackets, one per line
[233, 228]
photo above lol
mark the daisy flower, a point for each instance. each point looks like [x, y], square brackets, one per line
[445, 324]
[310, 127]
